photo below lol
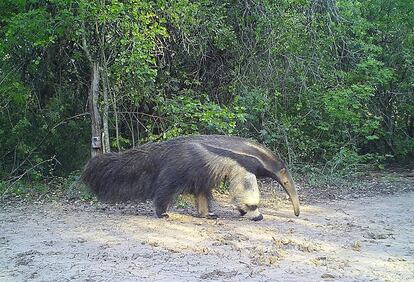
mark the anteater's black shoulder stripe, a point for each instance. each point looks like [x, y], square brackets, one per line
[230, 153]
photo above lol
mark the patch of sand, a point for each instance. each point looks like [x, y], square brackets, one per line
[365, 239]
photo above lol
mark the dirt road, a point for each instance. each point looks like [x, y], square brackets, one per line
[365, 239]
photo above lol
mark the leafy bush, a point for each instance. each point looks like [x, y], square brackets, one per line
[323, 82]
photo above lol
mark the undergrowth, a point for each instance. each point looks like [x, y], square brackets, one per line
[56, 188]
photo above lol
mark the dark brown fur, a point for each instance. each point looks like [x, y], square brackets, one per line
[161, 171]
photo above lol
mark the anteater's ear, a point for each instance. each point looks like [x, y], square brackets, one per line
[282, 171]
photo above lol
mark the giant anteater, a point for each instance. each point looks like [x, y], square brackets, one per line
[188, 164]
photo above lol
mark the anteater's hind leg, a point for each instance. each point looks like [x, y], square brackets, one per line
[163, 198]
[203, 200]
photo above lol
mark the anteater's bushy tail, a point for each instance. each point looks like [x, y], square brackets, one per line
[119, 177]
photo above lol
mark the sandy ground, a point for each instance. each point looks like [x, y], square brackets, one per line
[362, 239]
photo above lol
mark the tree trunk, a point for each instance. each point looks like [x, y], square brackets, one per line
[96, 145]
[106, 146]
[114, 106]
[93, 99]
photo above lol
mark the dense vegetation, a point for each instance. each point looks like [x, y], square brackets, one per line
[319, 81]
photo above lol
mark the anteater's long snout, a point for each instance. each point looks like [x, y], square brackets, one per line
[285, 179]
[294, 199]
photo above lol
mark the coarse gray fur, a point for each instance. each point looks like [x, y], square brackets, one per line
[188, 164]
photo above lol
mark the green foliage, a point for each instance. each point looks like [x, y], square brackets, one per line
[187, 115]
[68, 188]
[224, 187]
[74, 190]
[328, 82]
[183, 201]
